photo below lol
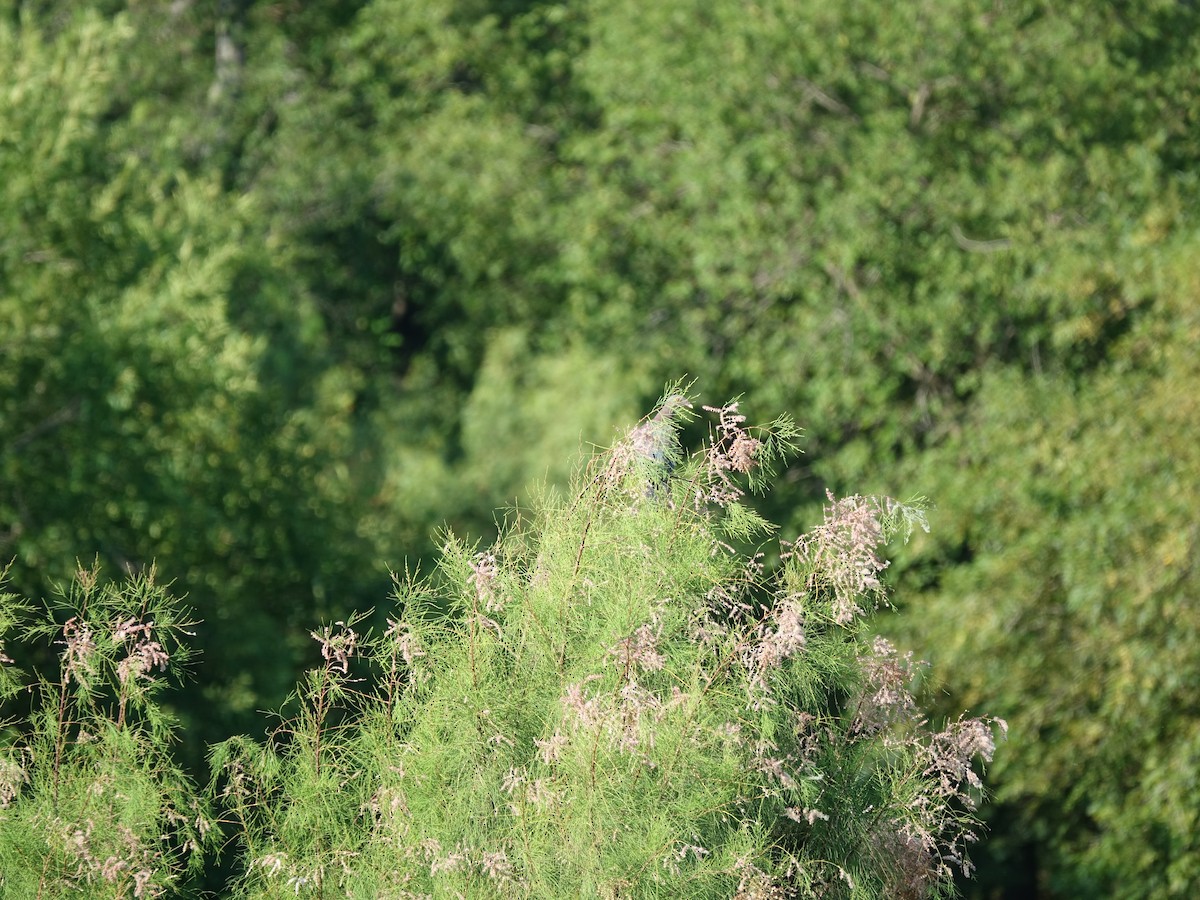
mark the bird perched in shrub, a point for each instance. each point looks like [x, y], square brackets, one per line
[654, 440]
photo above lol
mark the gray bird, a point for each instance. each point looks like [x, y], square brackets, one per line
[654, 440]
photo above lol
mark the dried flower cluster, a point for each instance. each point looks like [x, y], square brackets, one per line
[840, 555]
[779, 637]
[484, 570]
[79, 649]
[13, 775]
[886, 699]
[492, 864]
[126, 863]
[145, 655]
[404, 642]
[626, 717]
[338, 644]
[639, 652]
[928, 844]
[731, 451]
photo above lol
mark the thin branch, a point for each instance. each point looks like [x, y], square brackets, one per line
[824, 100]
[976, 246]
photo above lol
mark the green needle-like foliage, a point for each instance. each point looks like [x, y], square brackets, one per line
[91, 804]
[613, 701]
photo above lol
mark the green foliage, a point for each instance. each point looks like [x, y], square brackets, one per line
[165, 381]
[285, 286]
[552, 406]
[611, 701]
[1072, 618]
[91, 803]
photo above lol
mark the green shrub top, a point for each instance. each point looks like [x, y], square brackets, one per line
[615, 701]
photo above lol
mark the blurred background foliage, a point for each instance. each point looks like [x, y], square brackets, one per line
[287, 286]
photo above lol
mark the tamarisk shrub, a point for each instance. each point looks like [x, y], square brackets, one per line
[91, 804]
[613, 701]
